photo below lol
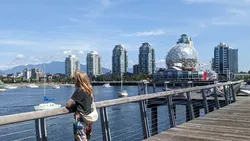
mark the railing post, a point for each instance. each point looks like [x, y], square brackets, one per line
[145, 88]
[205, 105]
[226, 95]
[154, 117]
[154, 87]
[233, 93]
[106, 135]
[190, 106]
[143, 111]
[144, 119]
[171, 112]
[41, 132]
[216, 99]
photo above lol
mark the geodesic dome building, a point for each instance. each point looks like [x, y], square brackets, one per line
[183, 55]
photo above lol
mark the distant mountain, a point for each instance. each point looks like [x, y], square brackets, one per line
[53, 67]
[1, 72]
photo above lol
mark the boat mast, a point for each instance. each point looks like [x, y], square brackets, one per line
[44, 82]
[121, 80]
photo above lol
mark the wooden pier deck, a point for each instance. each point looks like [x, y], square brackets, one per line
[230, 123]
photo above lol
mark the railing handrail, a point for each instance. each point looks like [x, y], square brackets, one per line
[21, 117]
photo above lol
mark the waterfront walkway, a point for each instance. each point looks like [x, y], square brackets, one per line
[228, 123]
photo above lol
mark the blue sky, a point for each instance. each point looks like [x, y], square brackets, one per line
[33, 32]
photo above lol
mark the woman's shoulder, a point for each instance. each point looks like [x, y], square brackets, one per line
[80, 90]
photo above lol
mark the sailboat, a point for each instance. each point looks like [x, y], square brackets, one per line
[106, 85]
[44, 105]
[56, 86]
[122, 93]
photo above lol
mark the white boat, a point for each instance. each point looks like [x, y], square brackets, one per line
[106, 85]
[122, 93]
[1, 90]
[10, 87]
[32, 86]
[47, 106]
[56, 86]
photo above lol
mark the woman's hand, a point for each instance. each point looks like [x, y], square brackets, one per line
[70, 103]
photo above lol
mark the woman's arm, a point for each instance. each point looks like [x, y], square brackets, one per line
[70, 103]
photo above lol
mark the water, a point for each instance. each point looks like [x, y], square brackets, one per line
[125, 121]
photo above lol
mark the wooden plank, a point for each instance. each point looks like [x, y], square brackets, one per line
[218, 129]
[169, 137]
[207, 134]
[222, 122]
[228, 123]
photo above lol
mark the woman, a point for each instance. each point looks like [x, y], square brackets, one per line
[82, 100]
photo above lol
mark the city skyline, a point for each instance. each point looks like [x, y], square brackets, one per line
[51, 33]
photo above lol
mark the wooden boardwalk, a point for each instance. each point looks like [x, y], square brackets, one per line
[230, 123]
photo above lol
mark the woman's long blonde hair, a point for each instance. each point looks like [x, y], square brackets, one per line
[82, 81]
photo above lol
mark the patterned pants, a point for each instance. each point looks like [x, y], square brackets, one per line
[82, 131]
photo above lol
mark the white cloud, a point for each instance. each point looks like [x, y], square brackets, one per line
[74, 20]
[238, 12]
[204, 1]
[225, 2]
[19, 56]
[17, 42]
[67, 52]
[161, 63]
[80, 52]
[148, 33]
[232, 13]
[131, 62]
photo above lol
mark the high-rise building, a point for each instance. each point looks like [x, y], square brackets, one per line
[136, 69]
[119, 60]
[36, 73]
[77, 65]
[225, 60]
[212, 64]
[146, 59]
[71, 65]
[234, 60]
[26, 74]
[93, 63]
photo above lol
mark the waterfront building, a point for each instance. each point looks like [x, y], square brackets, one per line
[183, 55]
[182, 62]
[93, 63]
[225, 60]
[234, 60]
[136, 69]
[146, 59]
[36, 73]
[71, 65]
[19, 74]
[119, 60]
[184, 39]
[26, 74]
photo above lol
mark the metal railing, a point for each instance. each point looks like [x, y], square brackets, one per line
[149, 113]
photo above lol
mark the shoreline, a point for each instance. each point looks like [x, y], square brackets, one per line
[38, 84]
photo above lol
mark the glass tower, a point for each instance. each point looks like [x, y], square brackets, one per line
[93, 63]
[119, 59]
[146, 59]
